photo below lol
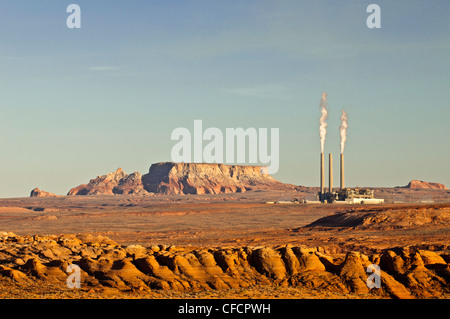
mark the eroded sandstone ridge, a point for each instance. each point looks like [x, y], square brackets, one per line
[113, 183]
[405, 272]
[183, 178]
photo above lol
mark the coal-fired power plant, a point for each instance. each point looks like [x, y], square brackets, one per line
[342, 195]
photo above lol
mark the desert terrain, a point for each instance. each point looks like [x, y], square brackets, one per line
[233, 245]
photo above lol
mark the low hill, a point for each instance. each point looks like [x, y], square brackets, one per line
[425, 185]
[387, 219]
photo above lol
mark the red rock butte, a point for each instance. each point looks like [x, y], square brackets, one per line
[425, 185]
[183, 178]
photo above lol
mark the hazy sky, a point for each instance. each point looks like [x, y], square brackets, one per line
[77, 103]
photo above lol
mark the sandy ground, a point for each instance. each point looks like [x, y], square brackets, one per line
[202, 220]
[226, 220]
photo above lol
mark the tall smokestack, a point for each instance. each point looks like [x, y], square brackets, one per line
[342, 172]
[330, 171]
[322, 175]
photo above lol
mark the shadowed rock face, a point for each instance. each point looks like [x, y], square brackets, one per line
[198, 178]
[405, 273]
[182, 178]
[130, 184]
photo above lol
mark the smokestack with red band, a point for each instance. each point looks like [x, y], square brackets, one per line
[342, 172]
[330, 171]
[322, 175]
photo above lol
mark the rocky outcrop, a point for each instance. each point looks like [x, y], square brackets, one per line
[130, 184]
[39, 193]
[424, 185]
[405, 272]
[183, 178]
[198, 178]
[113, 183]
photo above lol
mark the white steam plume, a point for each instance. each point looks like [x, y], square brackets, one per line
[322, 120]
[343, 130]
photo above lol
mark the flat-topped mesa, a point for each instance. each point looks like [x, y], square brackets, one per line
[183, 178]
[201, 178]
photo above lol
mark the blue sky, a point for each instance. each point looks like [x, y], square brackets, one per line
[77, 103]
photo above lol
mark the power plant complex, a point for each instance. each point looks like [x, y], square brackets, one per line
[342, 194]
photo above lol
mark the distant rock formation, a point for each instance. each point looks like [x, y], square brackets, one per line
[183, 178]
[38, 193]
[199, 178]
[422, 184]
[113, 183]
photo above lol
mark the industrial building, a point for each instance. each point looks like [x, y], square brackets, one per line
[342, 195]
